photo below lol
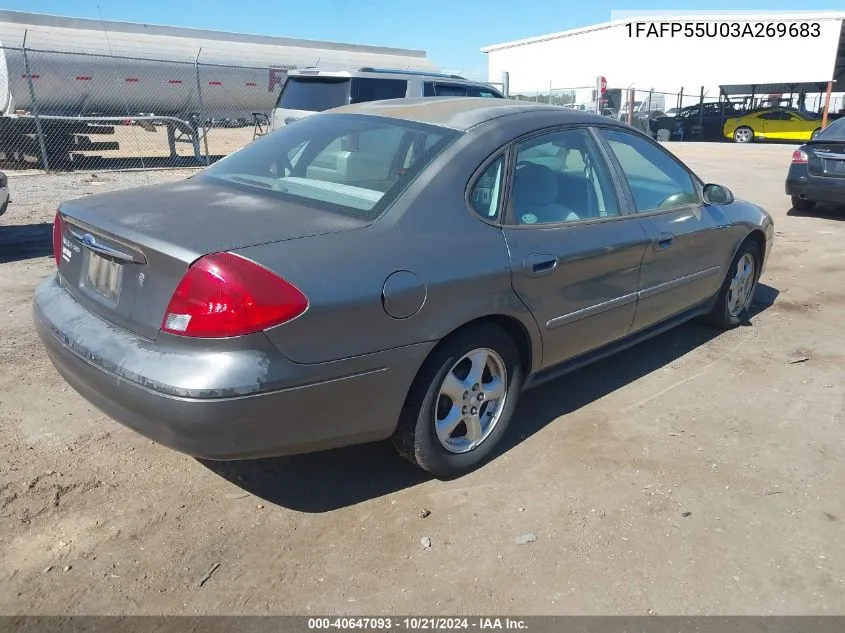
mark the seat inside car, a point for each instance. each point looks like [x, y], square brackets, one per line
[543, 196]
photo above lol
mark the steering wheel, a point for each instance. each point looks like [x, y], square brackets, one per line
[677, 199]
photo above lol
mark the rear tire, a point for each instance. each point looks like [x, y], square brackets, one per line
[800, 204]
[733, 303]
[743, 134]
[416, 436]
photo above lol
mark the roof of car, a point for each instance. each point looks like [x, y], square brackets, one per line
[461, 113]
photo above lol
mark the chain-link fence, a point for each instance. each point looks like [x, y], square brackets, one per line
[98, 111]
[101, 111]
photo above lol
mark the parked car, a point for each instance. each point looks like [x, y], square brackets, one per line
[783, 124]
[397, 269]
[4, 193]
[623, 111]
[312, 90]
[684, 124]
[817, 172]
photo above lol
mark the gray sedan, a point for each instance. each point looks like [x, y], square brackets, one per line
[399, 269]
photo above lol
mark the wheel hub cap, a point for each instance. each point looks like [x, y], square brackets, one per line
[741, 286]
[470, 400]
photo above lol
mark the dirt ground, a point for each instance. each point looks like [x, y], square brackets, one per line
[698, 473]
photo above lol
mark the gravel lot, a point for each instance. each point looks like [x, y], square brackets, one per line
[699, 473]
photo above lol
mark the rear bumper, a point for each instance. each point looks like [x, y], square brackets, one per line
[171, 393]
[817, 189]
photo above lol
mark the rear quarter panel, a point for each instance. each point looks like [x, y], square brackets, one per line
[462, 262]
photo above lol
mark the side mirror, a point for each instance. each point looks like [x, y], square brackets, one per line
[717, 194]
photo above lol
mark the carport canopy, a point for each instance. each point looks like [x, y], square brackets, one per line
[775, 88]
[799, 87]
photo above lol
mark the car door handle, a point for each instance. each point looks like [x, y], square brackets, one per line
[663, 241]
[540, 264]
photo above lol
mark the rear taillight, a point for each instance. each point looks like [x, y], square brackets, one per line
[799, 157]
[225, 295]
[57, 238]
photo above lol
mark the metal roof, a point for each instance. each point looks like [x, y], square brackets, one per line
[704, 17]
[55, 21]
[781, 87]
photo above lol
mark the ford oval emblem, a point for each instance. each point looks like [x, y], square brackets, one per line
[88, 240]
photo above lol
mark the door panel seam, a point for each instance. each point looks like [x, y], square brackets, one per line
[593, 310]
[679, 281]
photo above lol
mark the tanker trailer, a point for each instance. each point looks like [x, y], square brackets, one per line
[81, 77]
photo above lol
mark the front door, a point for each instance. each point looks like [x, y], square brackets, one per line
[575, 253]
[685, 262]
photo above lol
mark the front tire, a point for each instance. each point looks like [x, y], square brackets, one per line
[743, 134]
[800, 204]
[736, 295]
[461, 402]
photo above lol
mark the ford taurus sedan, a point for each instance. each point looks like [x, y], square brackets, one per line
[398, 269]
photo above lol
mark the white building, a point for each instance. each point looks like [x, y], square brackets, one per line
[689, 51]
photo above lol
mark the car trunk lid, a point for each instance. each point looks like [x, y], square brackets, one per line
[124, 253]
[826, 158]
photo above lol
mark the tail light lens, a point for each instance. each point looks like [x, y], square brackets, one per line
[58, 225]
[799, 157]
[225, 295]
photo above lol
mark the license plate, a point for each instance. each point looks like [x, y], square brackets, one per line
[103, 276]
[834, 166]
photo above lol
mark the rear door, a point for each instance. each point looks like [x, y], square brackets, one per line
[688, 248]
[575, 254]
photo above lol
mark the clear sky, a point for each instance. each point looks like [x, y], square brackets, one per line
[450, 31]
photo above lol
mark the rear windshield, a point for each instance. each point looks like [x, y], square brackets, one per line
[353, 165]
[833, 132]
[316, 94]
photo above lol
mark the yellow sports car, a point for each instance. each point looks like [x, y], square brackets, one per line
[773, 124]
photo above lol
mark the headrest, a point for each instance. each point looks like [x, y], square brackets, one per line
[534, 185]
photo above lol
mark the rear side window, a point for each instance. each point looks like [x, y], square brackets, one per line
[352, 165]
[432, 89]
[314, 94]
[833, 132]
[368, 89]
[440, 89]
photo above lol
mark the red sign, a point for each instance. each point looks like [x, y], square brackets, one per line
[603, 84]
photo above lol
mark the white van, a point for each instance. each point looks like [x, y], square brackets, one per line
[314, 90]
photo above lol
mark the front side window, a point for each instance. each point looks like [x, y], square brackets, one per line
[352, 165]
[657, 181]
[561, 177]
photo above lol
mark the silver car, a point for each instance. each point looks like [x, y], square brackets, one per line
[398, 269]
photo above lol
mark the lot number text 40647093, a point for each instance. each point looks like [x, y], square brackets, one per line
[417, 623]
